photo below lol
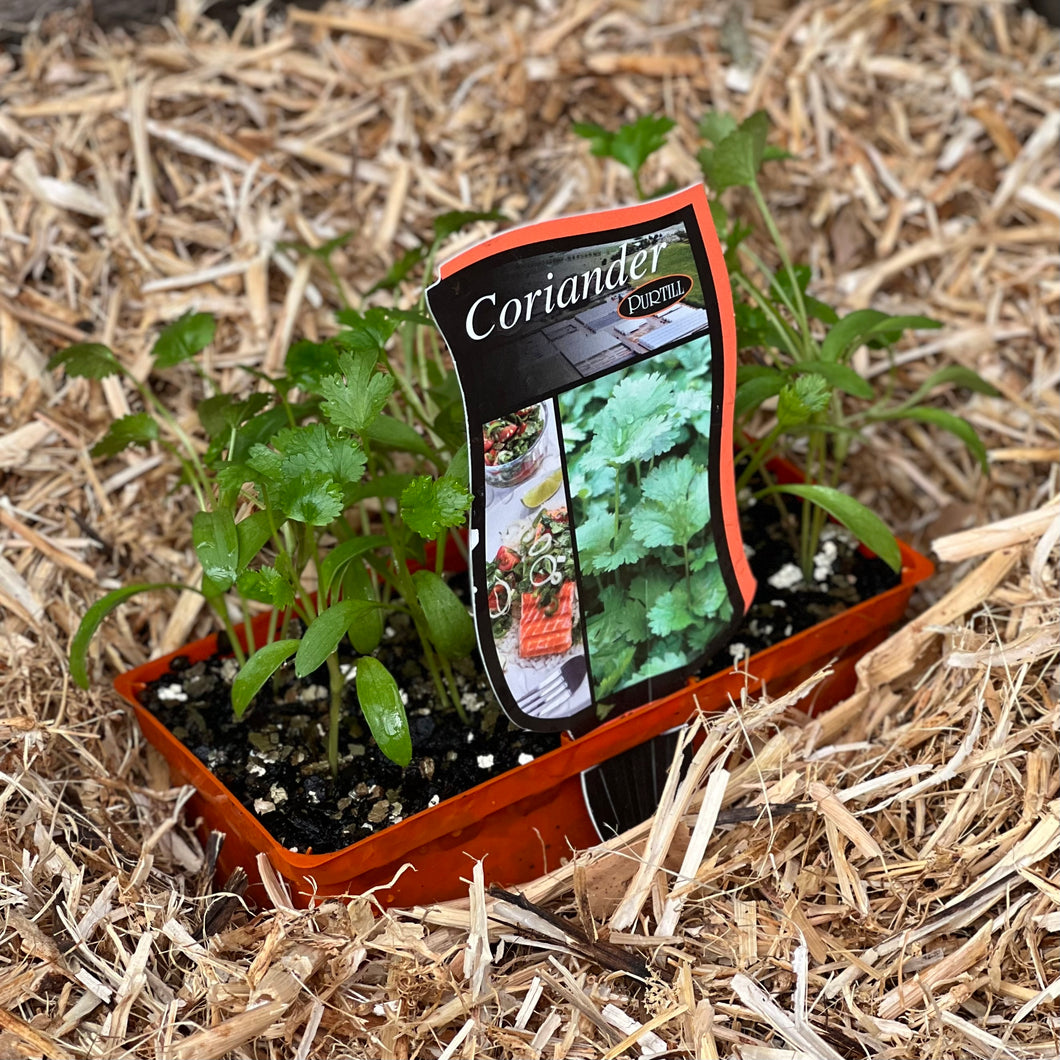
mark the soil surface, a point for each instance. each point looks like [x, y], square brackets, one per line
[274, 759]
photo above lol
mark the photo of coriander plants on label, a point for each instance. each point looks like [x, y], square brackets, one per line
[532, 593]
[637, 446]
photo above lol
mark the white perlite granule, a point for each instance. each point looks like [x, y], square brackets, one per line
[485, 761]
[824, 561]
[173, 694]
[786, 577]
[525, 759]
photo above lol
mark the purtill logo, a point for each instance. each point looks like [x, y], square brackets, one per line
[655, 296]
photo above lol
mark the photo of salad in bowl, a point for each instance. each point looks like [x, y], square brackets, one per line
[514, 446]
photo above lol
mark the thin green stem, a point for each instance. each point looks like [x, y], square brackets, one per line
[336, 685]
[801, 316]
[759, 454]
[786, 332]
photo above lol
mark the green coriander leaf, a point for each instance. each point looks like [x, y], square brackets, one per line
[636, 424]
[400, 269]
[611, 664]
[87, 360]
[798, 401]
[599, 138]
[757, 127]
[313, 449]
[354, 402]
[459, 469]
[429, 506]
[661, 664]
[315, 500]
[634, 143]
[383, 709]
[264, 462]
[337, 558]
[368, 331]
[253, 532]
[138, 428]
[622, 619]
[709, 592]
[260, 429]
[308, 362]
[184, 338]
[266, 585]
[610, 552]
[732, 163]
[715, 126]
[221, 413]
[838, 377]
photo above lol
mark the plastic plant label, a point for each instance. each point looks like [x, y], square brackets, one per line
[597, 359]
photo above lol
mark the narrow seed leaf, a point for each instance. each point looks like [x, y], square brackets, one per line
[216, 542]
[947, 421]
[391, 433]
[865, 324]
[751, 394]
[452, 630]
[94, 617]
[252, 533]
[863, 523]
[958, 375]
[381, 704]
[323, 634]
[341, 554]
[257, 670]
[367, 631]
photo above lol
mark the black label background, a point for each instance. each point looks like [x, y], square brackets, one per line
[511, 370]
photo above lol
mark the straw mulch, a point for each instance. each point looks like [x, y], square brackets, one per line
[910, 907]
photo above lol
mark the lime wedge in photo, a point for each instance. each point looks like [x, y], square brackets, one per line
[543, 490]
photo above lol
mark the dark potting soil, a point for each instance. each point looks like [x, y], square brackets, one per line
[274, 759]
